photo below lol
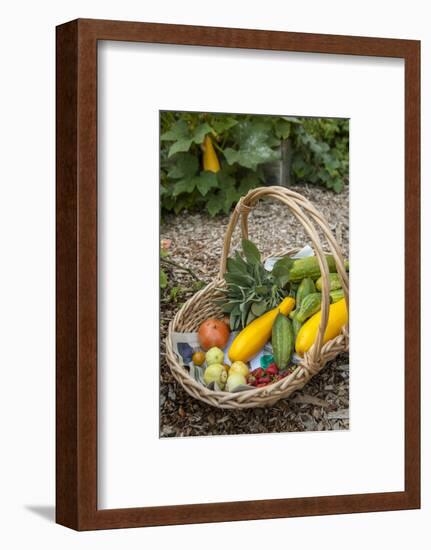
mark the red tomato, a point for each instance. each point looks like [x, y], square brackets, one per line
[213, 333]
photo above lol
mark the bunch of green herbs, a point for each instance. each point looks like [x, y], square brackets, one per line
[251, 290]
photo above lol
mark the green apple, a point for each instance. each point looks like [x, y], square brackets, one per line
[235, 379]
[214, 356]
[215, 373]
[240, 367]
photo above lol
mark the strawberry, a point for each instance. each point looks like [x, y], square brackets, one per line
[272, 369]
[257, 373]
[264, 380]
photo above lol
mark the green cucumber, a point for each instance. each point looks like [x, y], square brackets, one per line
[306, 287]
[282, 341]
[296, 325]
[309, 267]
[334, 282]
[310, 305]
[336, 295]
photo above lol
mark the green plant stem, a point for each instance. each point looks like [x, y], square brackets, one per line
[179, 266]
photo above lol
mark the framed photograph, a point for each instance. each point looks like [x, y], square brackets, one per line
[238, 274]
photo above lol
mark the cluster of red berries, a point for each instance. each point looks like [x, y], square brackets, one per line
[262, 377]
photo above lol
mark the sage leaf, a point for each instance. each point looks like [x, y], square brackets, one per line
[251, 252]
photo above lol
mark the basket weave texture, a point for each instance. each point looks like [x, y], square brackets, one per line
[203, 306]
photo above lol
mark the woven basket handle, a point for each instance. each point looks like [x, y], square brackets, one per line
[308, 216]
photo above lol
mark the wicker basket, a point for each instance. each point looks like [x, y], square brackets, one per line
[202, 306]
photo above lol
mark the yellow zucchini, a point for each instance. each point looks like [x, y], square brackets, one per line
[210, 160]
[255, 335]
[307, 333]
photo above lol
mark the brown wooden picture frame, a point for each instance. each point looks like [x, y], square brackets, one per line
[76, 248]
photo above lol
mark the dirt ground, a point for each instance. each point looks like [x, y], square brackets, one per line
[195, 243]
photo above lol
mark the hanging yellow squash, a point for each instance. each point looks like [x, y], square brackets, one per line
[210, 160]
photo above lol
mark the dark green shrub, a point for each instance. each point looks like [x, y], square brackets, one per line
[244, 144]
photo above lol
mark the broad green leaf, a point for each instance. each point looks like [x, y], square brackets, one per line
[186, 165]
[251, 317]
[168, 202]
[251, 252]
[236, 310]
[240, 279]
[331, 164]
[182, 202]
[262, 290]
[282, 266]
[255, 141]
[244, 312]
[214, 205]
[338, 185]
[179, 130]
[206, 181]
[179, 146]
[255, 144]
[299, 166]
[281, 270]
[253, 156]
[273, 141]
[223, 123]
[250, 132]
[227, 307]
[234, 322]
[241, 260]
[250, 181]
[184, 186]
[201, 131]
[236, 266]
[231, 155]
[282, 128]
[226, 177]
[231, 196]
[258, 308]
[282, 280]
[257, 273]
[318, 147]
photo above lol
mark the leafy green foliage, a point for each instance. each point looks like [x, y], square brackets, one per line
[183, 136]
[171, 292]
[320, 152]
[163, 278]
[255, 141]
[251, 290]
[244, 144]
